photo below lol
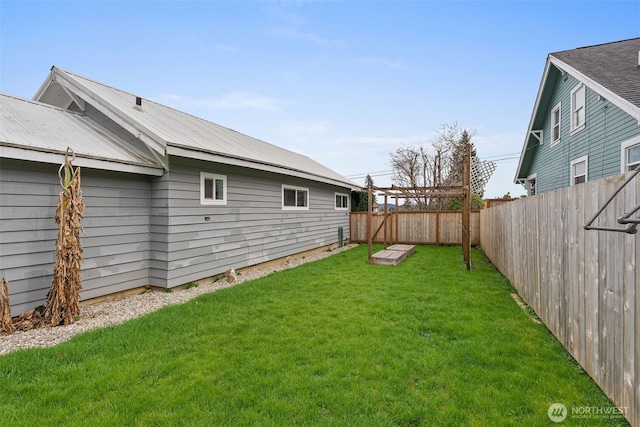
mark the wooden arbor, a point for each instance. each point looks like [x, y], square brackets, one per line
[450, 191]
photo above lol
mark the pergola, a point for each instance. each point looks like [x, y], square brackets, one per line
[449, 191]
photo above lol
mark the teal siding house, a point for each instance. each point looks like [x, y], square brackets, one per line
[585, 123]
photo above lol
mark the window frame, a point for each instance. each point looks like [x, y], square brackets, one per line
[343, 196]
[296, 189]
[557, 108]
[575, 126]
[624, 159]
[204, 176]
[585, 160]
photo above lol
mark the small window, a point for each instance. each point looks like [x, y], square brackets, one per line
[631, 155]
[579, 171]
[295, 198]
[555, 125]
[213, 189]
[342, 201]
[577, 108]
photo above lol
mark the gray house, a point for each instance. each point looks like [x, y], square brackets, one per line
[170, 198]
[585, 123]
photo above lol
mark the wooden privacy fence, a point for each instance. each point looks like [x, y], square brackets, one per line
[416, 228]
[584, 285]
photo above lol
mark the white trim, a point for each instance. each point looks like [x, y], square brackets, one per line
[214, 177]
[342, 208]
[295, 208]
[32, 155]
[575, 125]
[616, 100]
[536, 106]
[539, 135]
[624, 104]
[623, 152]
[574, 162]
[70, 83]
[558, 107]
[527, 184]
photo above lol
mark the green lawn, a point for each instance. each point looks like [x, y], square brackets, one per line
[334, 342]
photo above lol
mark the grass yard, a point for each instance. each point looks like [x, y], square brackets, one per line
[334, 342]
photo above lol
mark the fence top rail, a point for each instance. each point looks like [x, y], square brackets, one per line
[442, 191]
[402, 211]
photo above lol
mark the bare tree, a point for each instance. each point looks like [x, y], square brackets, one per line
[412, 168]
[418, 167]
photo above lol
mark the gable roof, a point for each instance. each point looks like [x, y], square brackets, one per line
[613, 66]
[41, 132]
[611, 70]
[166, 131]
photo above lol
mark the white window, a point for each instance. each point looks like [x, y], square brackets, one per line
[579, 168]
[555, 124]
[530, 184]
[577, 108]
[342, 201]
[213, 189]
[631, 155]
[295, 198]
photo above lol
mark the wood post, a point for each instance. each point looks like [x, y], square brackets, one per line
[370, 220]
[384, 221]
[466, 207]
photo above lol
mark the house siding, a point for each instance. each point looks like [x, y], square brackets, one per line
[115, 240]
[606, 128]
[250, 229]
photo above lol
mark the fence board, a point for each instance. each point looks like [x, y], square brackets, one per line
[582, 284]
[630, 343]
[417, 228]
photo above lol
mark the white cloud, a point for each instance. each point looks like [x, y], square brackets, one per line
[229, 101]
[250, 100]
[294, 34]
[301, 127]
[225, 48]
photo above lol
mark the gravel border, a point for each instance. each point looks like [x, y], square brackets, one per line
[114, 312]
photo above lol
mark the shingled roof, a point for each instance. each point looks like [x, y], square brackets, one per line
[613, 65]
[612, 70]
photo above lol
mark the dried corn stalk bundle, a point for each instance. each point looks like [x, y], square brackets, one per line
[6, 327]
[62, 306]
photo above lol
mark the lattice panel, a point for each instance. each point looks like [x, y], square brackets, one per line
[481, 171]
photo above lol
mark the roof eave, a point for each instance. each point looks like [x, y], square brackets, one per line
[534, 113]
[15, 152]
[598, 88]
[175, 150]
[149, 138]
[44, 86]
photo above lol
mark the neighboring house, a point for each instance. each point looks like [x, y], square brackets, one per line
[585, 123]
[170, 198]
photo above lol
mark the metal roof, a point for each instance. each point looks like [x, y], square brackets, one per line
[169, 131]
[40, 132]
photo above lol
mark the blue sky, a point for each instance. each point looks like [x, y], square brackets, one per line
[344, 82]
